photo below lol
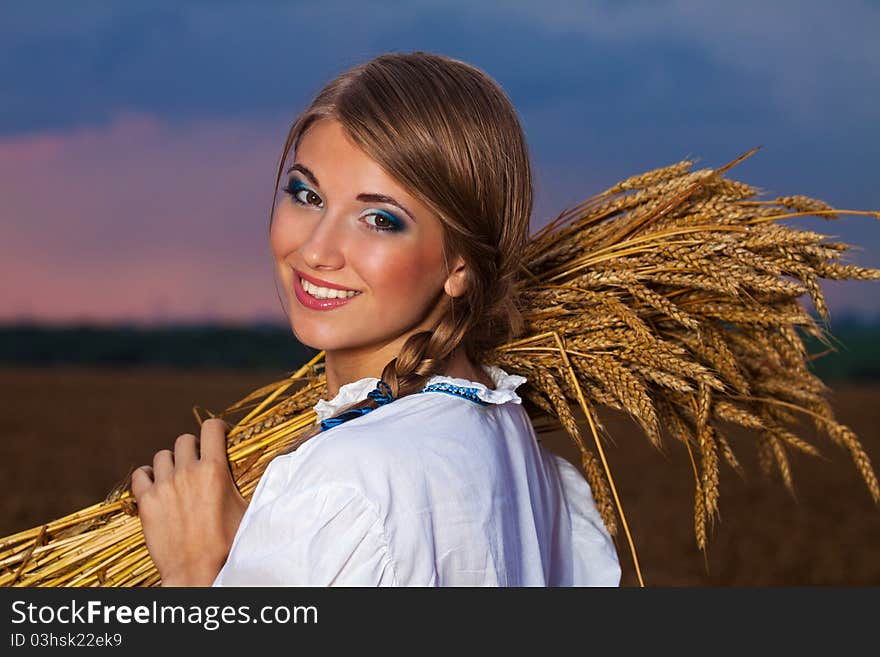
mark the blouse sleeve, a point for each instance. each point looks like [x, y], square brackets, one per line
[328, 534]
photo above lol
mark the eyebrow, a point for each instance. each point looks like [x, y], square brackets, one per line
[371, 198]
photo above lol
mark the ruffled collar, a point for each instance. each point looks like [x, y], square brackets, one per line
[505, 385]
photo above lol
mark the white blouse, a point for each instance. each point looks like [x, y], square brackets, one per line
[445, 487]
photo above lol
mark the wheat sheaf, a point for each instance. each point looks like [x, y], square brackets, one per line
[672, 296]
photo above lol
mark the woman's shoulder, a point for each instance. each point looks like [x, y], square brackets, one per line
[410, 438]
[403, 444]
[392, 432]
[444, 408]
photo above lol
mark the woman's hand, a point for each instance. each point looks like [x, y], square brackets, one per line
[189, 507]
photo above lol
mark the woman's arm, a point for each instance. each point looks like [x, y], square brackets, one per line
[189, 507]
[323, 534]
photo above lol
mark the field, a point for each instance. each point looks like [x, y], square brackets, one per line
[71, 433]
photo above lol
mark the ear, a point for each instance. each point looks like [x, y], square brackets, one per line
[456, 282]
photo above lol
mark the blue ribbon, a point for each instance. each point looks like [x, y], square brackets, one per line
[381, 395]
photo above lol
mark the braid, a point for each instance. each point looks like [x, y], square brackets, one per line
[423, 355]
[500, 319]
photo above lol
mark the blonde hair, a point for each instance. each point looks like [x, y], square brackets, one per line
[447, 132]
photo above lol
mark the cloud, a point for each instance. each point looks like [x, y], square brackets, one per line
[65, 67]
[811, 57]
[140, 219]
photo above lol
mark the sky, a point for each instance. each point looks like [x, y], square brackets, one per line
[139, 141]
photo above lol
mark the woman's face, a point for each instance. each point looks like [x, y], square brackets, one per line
[327, 229]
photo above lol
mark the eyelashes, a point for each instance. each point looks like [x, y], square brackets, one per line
[295, 187]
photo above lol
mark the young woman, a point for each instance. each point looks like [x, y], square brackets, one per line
[406, 207]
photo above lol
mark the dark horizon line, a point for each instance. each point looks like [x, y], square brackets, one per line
[139, 324]
[841, 317]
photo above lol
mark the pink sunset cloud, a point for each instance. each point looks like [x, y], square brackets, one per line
[140, 221]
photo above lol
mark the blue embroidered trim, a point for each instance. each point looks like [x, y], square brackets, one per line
[460, 391]
[382, 395]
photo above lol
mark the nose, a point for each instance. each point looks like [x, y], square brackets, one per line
[323, 248]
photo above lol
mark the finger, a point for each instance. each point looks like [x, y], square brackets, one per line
[141, 480]
[163, 465]
[213, 440]
[185, 449]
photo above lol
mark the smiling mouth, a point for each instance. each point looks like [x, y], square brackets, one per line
[319, 292]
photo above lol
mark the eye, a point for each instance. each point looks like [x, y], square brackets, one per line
[295, 188]
[384, 221]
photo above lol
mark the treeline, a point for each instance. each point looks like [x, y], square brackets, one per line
[258, 347]
[856, 354]
[857, 343]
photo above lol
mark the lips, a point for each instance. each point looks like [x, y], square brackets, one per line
[322, 283]
[313, 303]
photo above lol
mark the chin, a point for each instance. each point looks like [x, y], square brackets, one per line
[322, 340]
[307, 338]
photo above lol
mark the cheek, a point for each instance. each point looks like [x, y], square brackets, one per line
[283, 236]
[400, 274]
